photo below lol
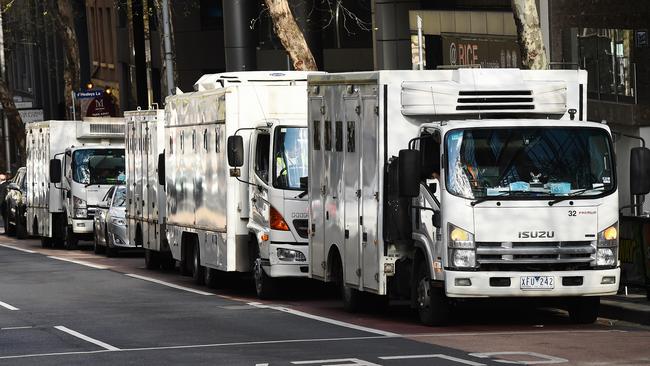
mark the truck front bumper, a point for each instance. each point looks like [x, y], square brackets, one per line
[276, 267]
[82, 226]
[566, 283]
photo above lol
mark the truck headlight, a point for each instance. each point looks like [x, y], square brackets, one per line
[79, 207]
[290, 255]
[607, 246]
[462, 249]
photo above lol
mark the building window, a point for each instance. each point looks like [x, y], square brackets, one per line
[606, 55]
[211, 14]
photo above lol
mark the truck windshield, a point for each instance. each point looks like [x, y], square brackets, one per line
[289, 157]
[529, 162]
[98, 166]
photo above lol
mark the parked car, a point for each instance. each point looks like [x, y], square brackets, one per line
[110, 223]
[16, 205]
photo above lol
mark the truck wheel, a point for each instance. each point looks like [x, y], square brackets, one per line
[70, 240]
[212, 278]
[46, 242]
[21, 229]
[151, 259]
[197, 269]
[98, 249]
[167, 261]
[433, 306]
[10, 230]
[264, 285]
[584, 310]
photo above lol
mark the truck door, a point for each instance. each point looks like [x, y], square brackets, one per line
[370, 192]
[140, 168]
[351, 190]
[316, 184]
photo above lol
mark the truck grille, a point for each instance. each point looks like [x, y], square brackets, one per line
[302, 227]
[555, 255]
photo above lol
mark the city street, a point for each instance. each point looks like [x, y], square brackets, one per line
[63, 307]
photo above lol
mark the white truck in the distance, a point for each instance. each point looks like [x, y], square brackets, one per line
[440, 185]
[70, 167]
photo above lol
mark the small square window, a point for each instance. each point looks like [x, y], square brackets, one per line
[316, 135]
[339, 136]
[328, 135]
[351, 137]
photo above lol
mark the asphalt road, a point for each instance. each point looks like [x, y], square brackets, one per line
[108, 311]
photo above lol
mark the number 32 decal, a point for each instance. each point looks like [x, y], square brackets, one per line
[572, 212]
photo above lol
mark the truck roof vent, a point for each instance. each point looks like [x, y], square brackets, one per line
[495, 100]
[106, 129]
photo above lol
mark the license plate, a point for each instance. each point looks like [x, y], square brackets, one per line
[537, 282]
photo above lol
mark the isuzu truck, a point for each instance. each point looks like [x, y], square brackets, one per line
[441, 185]
[235, 153]
[70, 167]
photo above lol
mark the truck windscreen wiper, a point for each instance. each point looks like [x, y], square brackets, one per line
[569, 196]
[502, 194]
[489, 198]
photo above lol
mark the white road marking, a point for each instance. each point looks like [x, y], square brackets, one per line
[18, 249]
[324, 319]
[354, 362]
[86, 338]
[168, 284]
[83, 263]
[541, 358]
[211, 345]
[7, 306]
[444, 357]
[16, 328]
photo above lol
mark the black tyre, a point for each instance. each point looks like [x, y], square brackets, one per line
[111, 251]
[47, 242]
[584, 310]
[70, 241]
[98, 249]
[21, 227]
[167, 261]
[197, 269]
[433, 306]
[212, 278]
[265, 286]
[151, 259]
[10, 230]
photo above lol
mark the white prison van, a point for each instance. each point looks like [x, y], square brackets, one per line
[471, 183]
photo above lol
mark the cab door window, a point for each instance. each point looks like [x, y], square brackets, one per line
[261, 166]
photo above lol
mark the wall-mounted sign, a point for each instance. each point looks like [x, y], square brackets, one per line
[95, 103]
[31, 115]
[475, 49]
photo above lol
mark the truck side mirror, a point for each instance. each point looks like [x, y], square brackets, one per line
[161, 169]
[55, 171]
[640, 171]
[436, 219]
[409, 173]
[304, 182]
[235, 151]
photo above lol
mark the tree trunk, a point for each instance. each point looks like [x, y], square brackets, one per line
[290, 35]
[64, 18]
[529, 35]
[16, 126]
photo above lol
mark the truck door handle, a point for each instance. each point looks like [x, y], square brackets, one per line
[365, 237]
[347, 234]
[327, 215]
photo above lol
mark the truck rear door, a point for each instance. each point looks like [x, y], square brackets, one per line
[316, 184]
